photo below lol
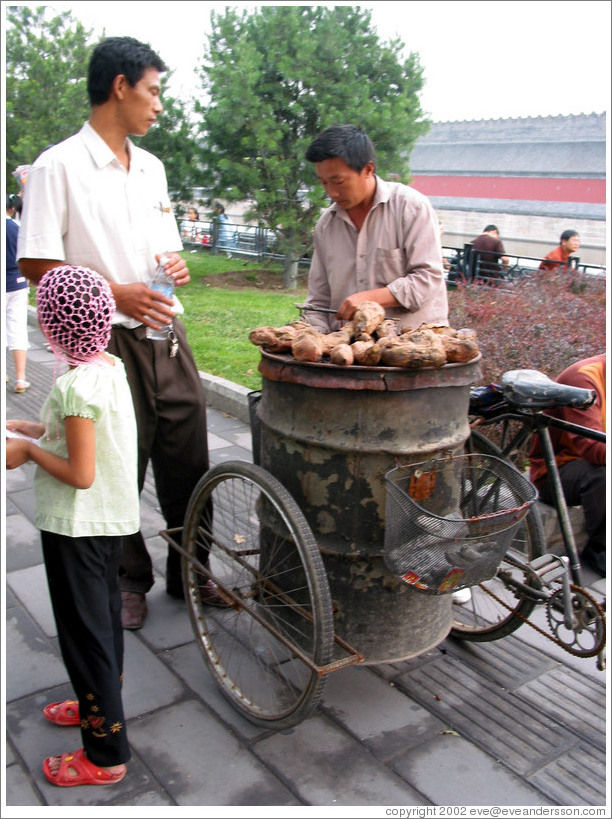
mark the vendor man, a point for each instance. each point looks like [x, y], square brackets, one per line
[379, 241]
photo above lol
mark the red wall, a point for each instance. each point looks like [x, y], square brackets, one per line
[513, 187]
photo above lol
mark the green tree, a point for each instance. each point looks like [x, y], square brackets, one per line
[46, 66]
[275, 78]
[46, 95]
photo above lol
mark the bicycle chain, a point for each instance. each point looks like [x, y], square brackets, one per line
[591, 653]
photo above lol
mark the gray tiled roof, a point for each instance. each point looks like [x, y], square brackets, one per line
[557, 146]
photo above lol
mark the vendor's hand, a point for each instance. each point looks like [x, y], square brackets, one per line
[17, 452]
[346, 311]
[381, 295]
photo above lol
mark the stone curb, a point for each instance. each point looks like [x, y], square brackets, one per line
[226, 396]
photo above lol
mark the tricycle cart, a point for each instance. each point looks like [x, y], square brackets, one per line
[296, 540]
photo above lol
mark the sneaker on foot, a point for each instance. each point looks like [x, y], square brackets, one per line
[21, 386]
[462, 596]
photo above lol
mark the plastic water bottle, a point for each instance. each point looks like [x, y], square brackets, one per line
[165, 285]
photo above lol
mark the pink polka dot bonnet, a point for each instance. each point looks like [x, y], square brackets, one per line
[75, 311]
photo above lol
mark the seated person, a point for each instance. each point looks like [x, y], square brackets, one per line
[581, 461]
[190, 228]
[558, 259]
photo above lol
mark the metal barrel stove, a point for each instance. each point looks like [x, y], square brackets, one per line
[330, 434]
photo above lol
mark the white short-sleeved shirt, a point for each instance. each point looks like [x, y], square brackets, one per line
[111, 505]
[397, 247]
[82, 206]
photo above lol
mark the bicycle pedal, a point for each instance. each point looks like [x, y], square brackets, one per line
[549, 568]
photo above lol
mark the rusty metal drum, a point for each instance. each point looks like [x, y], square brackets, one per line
[330, 434]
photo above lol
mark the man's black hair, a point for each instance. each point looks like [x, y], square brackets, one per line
[567, 234]
[345, 142]
[489, 228]
[118, 55]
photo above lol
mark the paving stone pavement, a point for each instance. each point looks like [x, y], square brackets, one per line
[518, 722]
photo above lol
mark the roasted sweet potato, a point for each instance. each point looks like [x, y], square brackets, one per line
[439, 329]
[466, 332]
[366, 353]
[307, 346]
[387, 329]
[331, 340]
[415, 350]
[368, 317]
[342, 355]
[459, 350]
[276, 339]
[269, 339]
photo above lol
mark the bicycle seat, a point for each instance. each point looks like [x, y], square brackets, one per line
[533, 389]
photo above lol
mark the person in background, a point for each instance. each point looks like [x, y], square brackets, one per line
[17, 206]
[86, 490]
[98, 199]
[223, 228]
[558, 259]
[16, 306]
[581, 461]
[189, 226]
[491, 253]
[378, 241]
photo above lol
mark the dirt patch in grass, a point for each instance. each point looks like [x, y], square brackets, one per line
[260, 279]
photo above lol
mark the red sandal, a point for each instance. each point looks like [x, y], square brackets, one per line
[63, 713]
[76, 769]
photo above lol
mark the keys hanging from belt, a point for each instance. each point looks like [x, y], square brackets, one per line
[174, 343]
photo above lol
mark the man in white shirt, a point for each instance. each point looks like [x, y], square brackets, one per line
[379, 241]
[99, 201]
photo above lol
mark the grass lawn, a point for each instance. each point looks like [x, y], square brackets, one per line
[224, 301]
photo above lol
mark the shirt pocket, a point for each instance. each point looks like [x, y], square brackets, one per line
[388, 264]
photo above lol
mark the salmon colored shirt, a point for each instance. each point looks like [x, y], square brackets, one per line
[589, 374]
[397, 247]
[557, 259]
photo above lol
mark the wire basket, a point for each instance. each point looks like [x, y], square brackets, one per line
[449, 521]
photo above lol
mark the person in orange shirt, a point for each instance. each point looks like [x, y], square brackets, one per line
[581, 461]
[558, 258]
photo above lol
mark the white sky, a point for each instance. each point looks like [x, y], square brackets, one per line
[481, 60]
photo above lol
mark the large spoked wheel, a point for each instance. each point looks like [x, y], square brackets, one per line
[264, 647]
[496, 608]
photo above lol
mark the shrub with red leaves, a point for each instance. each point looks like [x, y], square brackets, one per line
[545, 322]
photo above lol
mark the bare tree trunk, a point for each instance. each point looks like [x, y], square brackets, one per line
[290, 273]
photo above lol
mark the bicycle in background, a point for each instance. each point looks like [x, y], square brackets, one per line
[528, 576]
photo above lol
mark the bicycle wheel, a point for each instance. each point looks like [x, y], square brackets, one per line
[244, 526]
[495, 608]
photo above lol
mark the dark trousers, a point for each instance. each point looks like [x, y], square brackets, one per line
[86, 600]
[170, 407]
[584, 484]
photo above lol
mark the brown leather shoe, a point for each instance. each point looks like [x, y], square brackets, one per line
[210, 595]
[133, 610]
